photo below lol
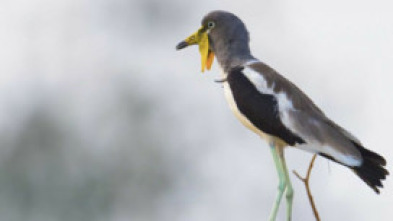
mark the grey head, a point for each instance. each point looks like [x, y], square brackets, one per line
[228, 37]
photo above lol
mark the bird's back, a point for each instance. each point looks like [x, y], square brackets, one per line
[299, 115]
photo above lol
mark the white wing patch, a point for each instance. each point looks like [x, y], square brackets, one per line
[316, 147]
[284, 103]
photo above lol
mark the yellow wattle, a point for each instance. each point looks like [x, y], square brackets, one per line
[204, 50]
[201, 38]
[210, 58]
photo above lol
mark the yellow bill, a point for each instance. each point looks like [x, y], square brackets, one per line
[201, 38]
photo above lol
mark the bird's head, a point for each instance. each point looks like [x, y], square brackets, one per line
[223, 35]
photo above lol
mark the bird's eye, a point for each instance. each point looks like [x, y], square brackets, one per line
[211, 24]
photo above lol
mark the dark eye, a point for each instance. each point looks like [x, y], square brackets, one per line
[210, 25]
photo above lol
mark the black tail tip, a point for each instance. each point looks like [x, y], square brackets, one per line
[372, 175]
[372, 171]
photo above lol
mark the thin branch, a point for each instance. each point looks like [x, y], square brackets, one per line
[307, 185]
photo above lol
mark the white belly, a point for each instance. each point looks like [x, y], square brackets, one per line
[241, 117]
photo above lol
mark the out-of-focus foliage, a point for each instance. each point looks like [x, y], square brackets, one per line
[84, 158]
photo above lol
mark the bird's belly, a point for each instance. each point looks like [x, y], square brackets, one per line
[241, 117]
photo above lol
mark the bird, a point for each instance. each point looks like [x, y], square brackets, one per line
[276, 109]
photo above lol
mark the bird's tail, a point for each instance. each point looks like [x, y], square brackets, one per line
[372, 170]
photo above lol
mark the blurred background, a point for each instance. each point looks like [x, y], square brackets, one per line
[102, 119]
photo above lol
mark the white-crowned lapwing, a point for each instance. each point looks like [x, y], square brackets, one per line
[276, 109]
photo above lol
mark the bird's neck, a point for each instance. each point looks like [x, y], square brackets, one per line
[231, 54]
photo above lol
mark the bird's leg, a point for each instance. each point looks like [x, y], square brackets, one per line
[282, 181]
[289, 190]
